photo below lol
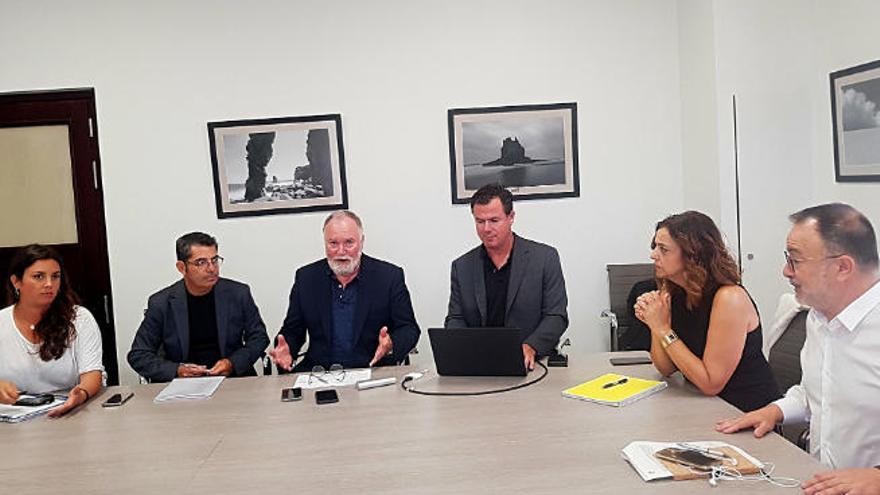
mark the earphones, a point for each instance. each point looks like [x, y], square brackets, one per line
[722, 473]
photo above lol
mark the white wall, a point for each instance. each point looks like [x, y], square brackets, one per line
[763, 57]
[699, 129]
[845, 35]
[776, 57]
[392, 68]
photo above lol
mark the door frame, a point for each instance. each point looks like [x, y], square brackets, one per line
[76, 108]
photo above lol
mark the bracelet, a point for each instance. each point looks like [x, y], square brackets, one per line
[668, 339]
[88, 395]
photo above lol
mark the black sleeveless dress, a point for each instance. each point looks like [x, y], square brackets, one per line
[751, 386]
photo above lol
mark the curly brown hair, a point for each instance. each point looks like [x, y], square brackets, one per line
[707, 262]
[55, 330]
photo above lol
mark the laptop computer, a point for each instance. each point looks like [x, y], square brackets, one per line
[477, 351]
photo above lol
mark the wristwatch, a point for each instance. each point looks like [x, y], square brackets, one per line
[668, 339]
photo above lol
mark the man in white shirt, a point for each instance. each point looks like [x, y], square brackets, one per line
[832, 263]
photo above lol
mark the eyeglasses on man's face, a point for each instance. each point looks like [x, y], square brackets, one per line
[204, 262]
[793, 263]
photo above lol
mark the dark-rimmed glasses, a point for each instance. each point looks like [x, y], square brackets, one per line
[204, 262]
[793, 263]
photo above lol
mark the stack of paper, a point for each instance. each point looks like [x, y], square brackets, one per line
[17, 414]
[614, 390]
[201, 387]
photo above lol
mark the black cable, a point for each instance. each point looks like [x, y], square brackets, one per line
[481, 392]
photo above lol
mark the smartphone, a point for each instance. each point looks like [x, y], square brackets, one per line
[35, 400]
[326, 396]
[687, 458]
[630, 360]
[291, 394]
[117, 400]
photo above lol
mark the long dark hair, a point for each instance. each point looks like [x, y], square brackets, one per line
[707, 262]
[55, 330]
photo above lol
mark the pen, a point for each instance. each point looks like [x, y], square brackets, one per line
[614, 384]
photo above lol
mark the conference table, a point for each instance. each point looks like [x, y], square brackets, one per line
[383, 440]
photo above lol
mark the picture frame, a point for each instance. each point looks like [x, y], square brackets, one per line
[278, 165]
[855, 115]
[532, 150]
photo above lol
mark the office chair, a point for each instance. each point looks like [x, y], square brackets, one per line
[785, 361]
[621, 279]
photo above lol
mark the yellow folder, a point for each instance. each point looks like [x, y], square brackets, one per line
[614, 390]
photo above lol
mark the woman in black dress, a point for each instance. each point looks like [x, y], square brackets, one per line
[703, 322]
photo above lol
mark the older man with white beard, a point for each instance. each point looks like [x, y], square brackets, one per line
[355, 310]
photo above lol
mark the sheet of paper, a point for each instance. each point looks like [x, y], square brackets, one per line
[641, 456]
[201, 387]
[351, 377]
[17, 414]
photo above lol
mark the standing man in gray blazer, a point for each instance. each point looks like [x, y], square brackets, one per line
[508, 281]
[201, 324]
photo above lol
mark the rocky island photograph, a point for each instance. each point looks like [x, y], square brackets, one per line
[275, 168]
[530, 149]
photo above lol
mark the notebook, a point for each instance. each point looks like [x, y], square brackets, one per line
[614, 390]
[17, 414]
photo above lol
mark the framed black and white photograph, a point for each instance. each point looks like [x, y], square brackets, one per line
[278, 165]
[855, 112]
[529, 149]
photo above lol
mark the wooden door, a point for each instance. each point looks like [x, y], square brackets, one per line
[51, 193]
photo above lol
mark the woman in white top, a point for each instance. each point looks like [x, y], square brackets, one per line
[47, 342]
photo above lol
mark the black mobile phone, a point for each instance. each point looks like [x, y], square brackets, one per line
[291, 394]
[35, 400]
[630, 360]
[326, 396]
[117, 400]
[689, 458]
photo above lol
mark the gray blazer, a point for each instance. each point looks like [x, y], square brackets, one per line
[162, 341]
[536, 299]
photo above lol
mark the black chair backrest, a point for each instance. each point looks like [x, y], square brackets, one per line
[636, 336]
[621, 278]
[785, 355]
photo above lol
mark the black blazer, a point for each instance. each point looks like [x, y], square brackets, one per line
[383, 301]
[162, 341]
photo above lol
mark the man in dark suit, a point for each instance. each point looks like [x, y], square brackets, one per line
[355, 310]
[200, 325]
[508, 281]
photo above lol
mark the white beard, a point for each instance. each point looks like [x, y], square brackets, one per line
[344, 266]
